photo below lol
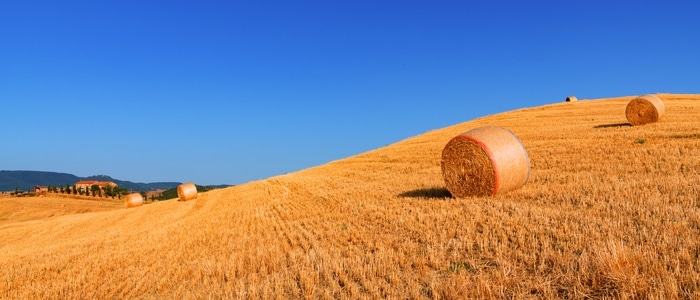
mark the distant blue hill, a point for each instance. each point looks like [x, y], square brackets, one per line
[26, 180]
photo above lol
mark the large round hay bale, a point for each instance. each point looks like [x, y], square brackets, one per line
[133, 200]
[187, 191]
[571, 99]
[645, 109]
[483, 162]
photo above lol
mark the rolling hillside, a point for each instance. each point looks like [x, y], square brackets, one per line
[26, 180]
[610, 210]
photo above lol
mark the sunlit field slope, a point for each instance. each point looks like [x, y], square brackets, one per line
[610, 210]
[14, 209]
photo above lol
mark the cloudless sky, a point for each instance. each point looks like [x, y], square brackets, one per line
[225, 92]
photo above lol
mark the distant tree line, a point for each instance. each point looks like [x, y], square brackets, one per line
[94, 190]
[110, 191]
[19, 193]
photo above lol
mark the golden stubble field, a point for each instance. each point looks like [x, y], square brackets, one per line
[14, 209]
[610, 211]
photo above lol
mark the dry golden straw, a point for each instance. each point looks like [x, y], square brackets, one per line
[187, 191]
[483, 162]
[571, 99]
[133, 200]
[645, 109]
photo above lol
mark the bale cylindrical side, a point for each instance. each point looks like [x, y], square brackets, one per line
[571, 99]
[187, 191]
[644, 110]
[483, 162]
[133, 200]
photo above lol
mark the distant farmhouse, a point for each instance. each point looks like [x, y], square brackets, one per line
[154, 194]
[86, 184]
[40, 190]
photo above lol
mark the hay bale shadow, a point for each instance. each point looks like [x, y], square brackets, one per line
[612, 125]
[428, 193]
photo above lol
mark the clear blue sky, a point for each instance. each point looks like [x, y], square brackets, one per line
[225, 92]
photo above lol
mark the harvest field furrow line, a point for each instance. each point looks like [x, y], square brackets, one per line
[288, 227]
[609, 211]
[282, 231]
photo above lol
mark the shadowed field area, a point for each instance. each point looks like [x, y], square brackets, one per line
[602, 215]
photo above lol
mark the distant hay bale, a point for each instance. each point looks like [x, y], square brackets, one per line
[133, 200]
[187, 191]
[645, 109]
[483, 162]
[571, 99]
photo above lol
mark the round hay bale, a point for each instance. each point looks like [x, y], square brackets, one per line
[645, 109]
[483, 162]
[187, 191]
[571, 99]
[133, 200]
